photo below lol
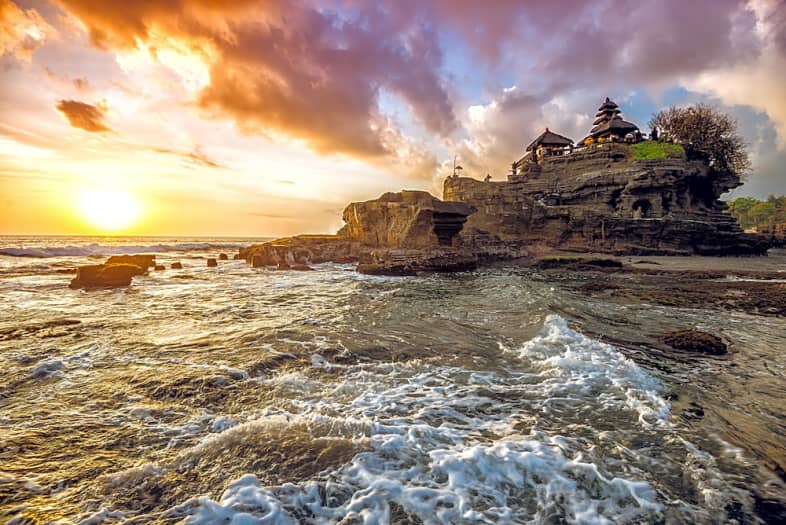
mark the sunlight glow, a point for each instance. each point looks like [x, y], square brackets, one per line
[109, 209]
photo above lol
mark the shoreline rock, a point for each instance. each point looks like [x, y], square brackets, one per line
[695, 341]
[105, 275]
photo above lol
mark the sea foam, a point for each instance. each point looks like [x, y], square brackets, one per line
[445, 445]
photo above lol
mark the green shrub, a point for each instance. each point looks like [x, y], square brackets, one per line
[650, 149]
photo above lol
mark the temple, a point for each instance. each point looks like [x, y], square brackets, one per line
[612, 192]
[610, 126]
[548, 143]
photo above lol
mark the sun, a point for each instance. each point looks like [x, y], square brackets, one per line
[109, 209]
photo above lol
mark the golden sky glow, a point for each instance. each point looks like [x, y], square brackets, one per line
[265, 118]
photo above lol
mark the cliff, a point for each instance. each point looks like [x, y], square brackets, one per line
[399, 233]
[602, 199]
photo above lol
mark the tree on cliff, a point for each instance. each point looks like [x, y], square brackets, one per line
[706, 132]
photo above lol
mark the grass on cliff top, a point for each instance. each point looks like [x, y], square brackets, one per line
[650, 149]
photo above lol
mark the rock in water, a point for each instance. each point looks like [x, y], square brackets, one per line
[105, 275]
[257, 261]
[159, 267]
[143, 261]
[223, 257]
[177, 266]
[695, 341]
[212, 263]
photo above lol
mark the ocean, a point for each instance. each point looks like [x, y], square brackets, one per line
[241, 395]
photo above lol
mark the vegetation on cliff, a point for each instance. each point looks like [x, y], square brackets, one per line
[706, 133]
[651, 149]
[755, 213]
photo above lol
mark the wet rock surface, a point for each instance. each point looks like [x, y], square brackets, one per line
[695, 341]
[105, 275]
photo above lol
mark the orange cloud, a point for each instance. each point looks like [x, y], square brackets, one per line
[289, 68]
[83, 116]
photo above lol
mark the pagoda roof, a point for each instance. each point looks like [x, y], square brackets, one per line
[615, 126]
[549, 138]
[607, 105]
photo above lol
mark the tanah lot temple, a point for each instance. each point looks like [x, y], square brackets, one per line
[609, 126]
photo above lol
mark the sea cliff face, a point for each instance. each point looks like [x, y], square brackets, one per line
[597, 200]
[603, 200]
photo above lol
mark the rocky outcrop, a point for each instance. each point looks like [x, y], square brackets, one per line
[695, 341]
[408, 219]
[596, 199]
[105, 275]
[603, 200]
[117, 271]
[398, 233]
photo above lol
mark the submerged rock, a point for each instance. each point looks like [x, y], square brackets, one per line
[695, 341]
[212, 263]
[159, 267]
[105, 275]
[222, 257]
[177, 266]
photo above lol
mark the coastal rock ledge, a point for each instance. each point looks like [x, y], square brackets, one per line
[600, 199]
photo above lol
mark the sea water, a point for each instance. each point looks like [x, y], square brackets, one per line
[254, 396]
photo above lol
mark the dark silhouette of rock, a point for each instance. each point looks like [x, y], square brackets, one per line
[602, 199]
[177, 266]
[105, 275]
[236, 257]
[159, 267]
[212, 263]
[222, 257]
[283, 265]
[257, 261]
[144, 261]
[696, 341]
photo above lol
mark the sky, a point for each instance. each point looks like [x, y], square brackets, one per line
[266, 117]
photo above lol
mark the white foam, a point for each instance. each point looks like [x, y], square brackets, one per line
[444, 444]
[577, 366]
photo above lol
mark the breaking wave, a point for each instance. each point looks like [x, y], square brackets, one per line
[451, 446]
[105, 249]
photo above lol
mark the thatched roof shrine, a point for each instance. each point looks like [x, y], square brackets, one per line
[549, 139]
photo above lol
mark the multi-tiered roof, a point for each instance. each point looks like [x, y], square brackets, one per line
[609, 122]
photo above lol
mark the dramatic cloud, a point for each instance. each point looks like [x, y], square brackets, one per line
[288, 68]
[21, 31]
[83, 116]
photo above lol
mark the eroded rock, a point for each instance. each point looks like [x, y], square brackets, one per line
[695, 341]
[105, 275]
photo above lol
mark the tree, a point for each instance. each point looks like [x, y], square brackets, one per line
[707, 132]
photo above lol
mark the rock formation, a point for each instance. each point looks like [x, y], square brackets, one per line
[619, 195]
[407, 232]
[604, 200]
[105, 275]
[212, 263]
